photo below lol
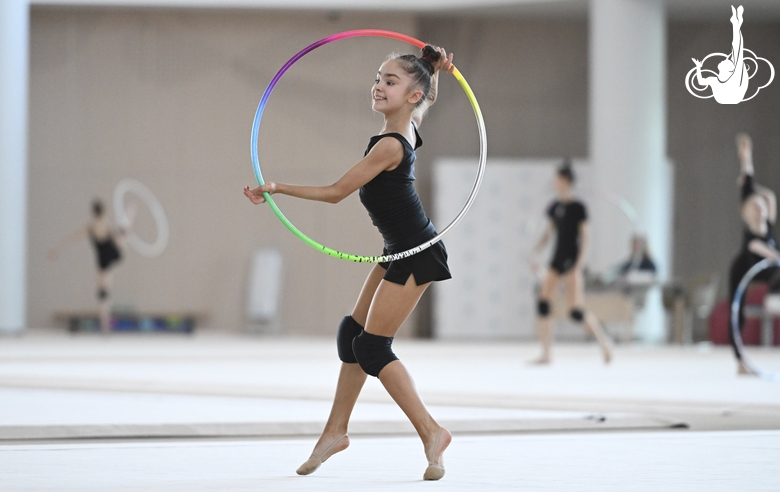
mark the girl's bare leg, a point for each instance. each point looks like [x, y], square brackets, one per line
[391, 306]
[576, 287]
[350, 382]
[104, 302]
[544, 323]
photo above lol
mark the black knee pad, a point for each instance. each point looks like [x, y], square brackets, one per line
[373, 352]
[348, 330]
[102, 294]
[543, 308]
[577, 315]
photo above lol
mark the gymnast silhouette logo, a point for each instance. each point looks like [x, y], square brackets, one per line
[735, 71]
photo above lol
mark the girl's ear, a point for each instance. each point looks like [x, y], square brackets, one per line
[415, 97]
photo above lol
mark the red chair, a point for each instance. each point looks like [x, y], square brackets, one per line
[754, 296]
[777, 331]
[719, 322]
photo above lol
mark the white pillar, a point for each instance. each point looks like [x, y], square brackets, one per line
[628, 137]
[14, 41]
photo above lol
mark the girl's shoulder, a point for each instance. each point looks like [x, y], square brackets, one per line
[395, 137]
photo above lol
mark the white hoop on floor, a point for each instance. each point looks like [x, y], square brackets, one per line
[161, 220]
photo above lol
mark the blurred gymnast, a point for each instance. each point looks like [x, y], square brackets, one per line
[568, 221]
[404, 89]
[759, 214]
[108, 253]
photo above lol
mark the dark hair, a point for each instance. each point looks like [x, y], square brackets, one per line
[565, 171]
[421, 68]
[97, 207]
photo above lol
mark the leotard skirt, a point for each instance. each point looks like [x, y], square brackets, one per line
[429, 265]
[107, 253]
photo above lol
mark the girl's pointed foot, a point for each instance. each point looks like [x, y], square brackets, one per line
[434, 452]
[606, 352]
[315, 460]
[541, 361]
[744, 370]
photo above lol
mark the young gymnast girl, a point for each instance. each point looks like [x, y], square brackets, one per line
[568, 220]
[404, 89]
[107, 245]
[759, 213]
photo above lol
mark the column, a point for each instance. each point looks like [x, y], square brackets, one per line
[627, 138]
[14, 40]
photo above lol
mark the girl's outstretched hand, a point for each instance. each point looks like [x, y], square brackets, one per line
[744, 148]
[256, 195]
[445, 62]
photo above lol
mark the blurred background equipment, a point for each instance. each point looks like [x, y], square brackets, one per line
[264, 286]
[689, 306]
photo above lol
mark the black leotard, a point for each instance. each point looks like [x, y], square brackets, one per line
[743, 262]
[106, 251]
[395, 209]
[566, 217]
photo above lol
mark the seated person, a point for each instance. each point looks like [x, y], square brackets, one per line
[640, 258]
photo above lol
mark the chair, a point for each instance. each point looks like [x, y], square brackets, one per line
[690, 302]
[770, 329]
[264, 287]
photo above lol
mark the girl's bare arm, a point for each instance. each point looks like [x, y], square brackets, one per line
[763, 249]
[386, 154]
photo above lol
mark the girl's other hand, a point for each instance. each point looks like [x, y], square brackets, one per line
[744, 147]
[445, 62]
[256, 195]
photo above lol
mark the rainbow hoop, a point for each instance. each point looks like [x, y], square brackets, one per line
[305, 238]
[757, 268]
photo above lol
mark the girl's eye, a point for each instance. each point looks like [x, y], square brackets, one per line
[376, 81]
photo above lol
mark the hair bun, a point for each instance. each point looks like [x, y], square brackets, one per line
[429, 57]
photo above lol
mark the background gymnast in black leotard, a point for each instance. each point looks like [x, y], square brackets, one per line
[759, 214]
[107, 244]
[405, 87]
[567, 219]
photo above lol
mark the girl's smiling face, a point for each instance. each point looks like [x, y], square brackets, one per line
[393, 89]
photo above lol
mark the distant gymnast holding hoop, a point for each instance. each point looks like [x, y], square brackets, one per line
[108, 243]
[759, 215]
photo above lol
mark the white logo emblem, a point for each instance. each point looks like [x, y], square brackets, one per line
[730, 84]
